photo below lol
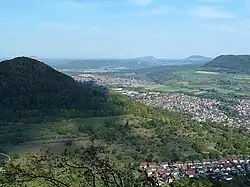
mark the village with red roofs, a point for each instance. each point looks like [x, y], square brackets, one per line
[223, 169]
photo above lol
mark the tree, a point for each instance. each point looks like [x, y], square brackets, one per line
[68, 143]
[88, 168]
[185, 181]
[149, 157]
[214, 155]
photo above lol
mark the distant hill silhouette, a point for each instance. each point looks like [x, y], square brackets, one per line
[111, 63]
[199, 58]
[27, 84]
[133, 63]
[229, 64]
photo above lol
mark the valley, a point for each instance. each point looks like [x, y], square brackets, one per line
[124, 93]
[137, 116]
[220, 97]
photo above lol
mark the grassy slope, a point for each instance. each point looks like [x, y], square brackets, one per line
[140, 140]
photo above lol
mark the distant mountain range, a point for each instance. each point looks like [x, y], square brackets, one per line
[135, 63]
[229, 64]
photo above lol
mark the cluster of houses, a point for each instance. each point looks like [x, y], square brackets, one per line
[111, 81]
[224, 169]
[243, 109]
[200, 109]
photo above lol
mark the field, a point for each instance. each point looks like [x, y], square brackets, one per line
[202, 83]
[166, 88]
[188, 79]
[191, 80]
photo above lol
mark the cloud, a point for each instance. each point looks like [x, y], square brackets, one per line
[209, 12]
[215, 1]
[161, 10]
[74, 4]
[142, 2]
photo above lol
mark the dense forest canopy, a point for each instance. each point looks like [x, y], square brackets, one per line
[27, 84]
[229, 64]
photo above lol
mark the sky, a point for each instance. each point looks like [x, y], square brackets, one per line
[124, 28]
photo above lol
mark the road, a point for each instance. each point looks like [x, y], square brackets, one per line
[6, 156]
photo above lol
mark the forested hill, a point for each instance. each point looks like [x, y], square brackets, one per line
[229, 64]
[27, 84]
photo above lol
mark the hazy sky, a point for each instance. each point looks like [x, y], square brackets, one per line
[124, 28]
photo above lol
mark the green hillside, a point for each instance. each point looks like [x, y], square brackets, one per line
[30, 87]
[229, 64]
[41, 104]
[142, 134]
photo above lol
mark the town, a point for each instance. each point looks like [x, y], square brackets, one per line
[201, 109]
[198, 108]
[111, 81]
[223, 169]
